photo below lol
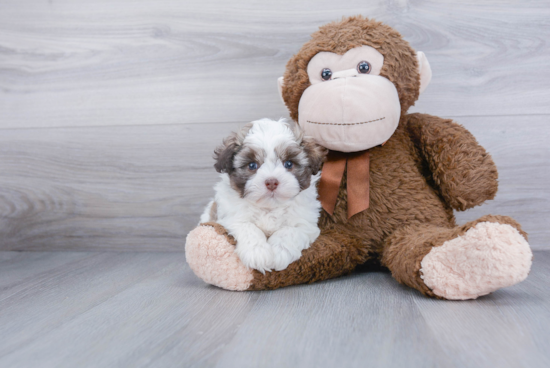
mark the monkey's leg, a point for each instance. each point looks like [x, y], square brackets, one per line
[459, 263]
[210, 254]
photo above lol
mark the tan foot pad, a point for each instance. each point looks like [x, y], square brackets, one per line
[213, 259]
[489, 256]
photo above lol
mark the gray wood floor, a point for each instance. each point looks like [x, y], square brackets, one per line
[147, 309]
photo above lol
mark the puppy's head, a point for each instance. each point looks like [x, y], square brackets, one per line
[269, 161]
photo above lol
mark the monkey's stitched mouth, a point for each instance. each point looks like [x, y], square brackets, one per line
[363, 122]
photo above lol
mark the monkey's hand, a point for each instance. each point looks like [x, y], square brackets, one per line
[463, 171]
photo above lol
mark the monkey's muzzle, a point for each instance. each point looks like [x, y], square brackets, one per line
[350, 114]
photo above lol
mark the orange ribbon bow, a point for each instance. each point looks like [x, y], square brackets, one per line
[357, 180]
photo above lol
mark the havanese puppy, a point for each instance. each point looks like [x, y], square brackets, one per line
[267, 196]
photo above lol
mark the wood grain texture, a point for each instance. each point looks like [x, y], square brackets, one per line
[144, 187]
[356, 321]
[520, 149]
[123, 102]
[503, 329]
[147, 309]
[134, 188]
[90, 63]
[109, 113]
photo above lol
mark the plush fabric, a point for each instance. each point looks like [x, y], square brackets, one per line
[210, 252]
[344, 65]
[429, 167]
[368, 119]
[400, 63]
[486, 258]
[425, 70]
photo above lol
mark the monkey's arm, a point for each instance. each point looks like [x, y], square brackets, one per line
[462, 170]
[210, 252]
[334, 253]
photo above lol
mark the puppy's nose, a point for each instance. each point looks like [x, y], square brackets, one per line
[271, 184]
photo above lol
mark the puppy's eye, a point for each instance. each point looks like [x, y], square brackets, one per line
[363, 67]
[253, 166]
[288, 165]
[326, 74]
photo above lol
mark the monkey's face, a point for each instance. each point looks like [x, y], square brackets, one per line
[348, 86]
[349, 107]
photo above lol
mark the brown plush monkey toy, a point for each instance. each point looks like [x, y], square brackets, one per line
[391, 180]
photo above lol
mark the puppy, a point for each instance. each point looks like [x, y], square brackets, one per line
[267, 197]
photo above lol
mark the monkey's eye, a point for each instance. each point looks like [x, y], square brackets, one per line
[326, 74]
[363, 67]
[288, 165]
[253, 166]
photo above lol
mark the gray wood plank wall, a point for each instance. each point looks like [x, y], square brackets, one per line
[109, 110]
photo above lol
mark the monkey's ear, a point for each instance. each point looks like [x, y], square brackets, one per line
[280, 84]
[424, 70]
[224, 153]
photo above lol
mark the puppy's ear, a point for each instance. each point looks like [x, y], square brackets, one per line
[224, 153]
[316, 154]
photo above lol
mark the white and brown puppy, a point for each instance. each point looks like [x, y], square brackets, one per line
[267, 197]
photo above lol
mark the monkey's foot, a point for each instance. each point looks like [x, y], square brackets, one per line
[210, 252]
[489, 256]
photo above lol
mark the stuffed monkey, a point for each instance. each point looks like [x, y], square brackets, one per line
[391, 180]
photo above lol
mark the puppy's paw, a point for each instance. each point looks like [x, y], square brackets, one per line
[286, 249]
[282, 259]
[258, 256]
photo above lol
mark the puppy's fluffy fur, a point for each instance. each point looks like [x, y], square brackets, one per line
[267, 197]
